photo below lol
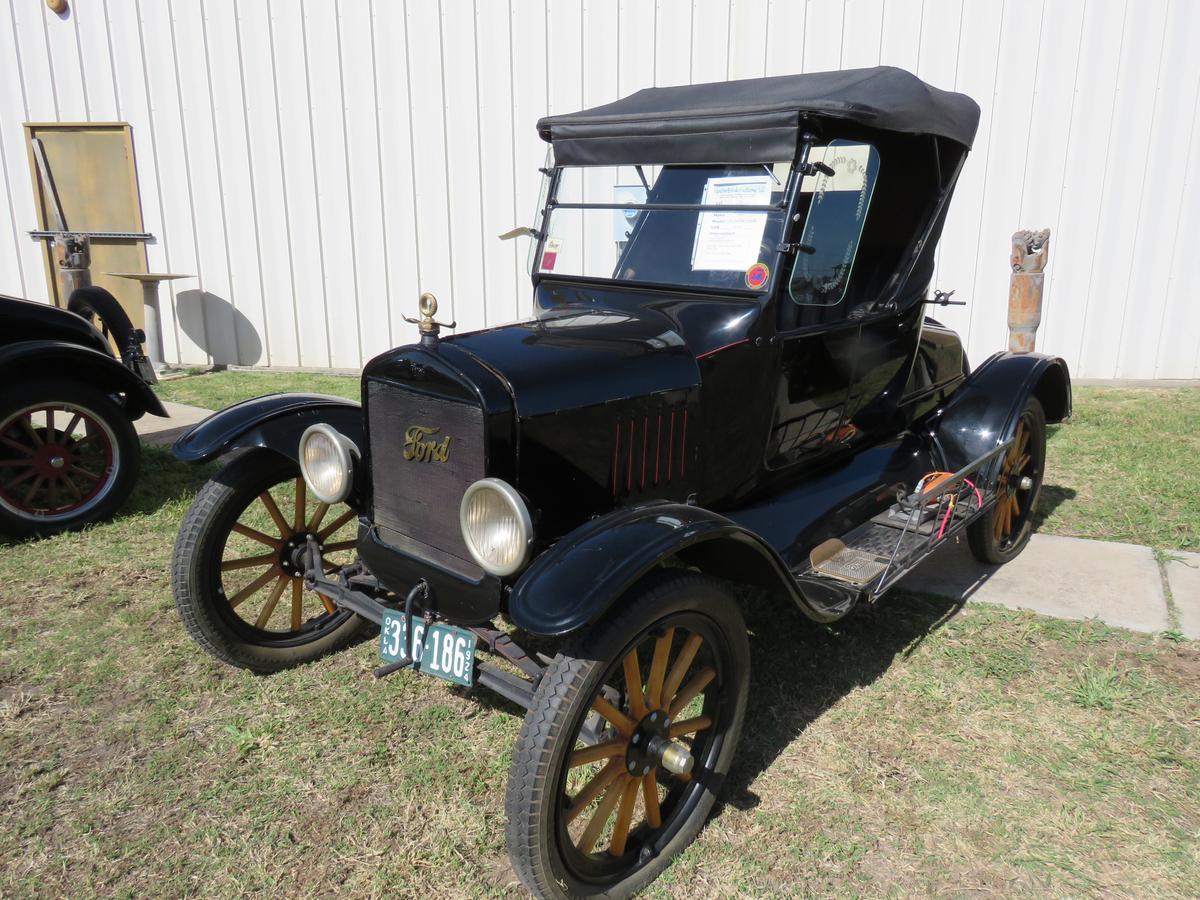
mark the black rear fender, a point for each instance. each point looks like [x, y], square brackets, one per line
[577, 581]
[274, 422]
[984, 411]
[29, 360]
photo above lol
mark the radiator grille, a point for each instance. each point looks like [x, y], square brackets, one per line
[416, 500]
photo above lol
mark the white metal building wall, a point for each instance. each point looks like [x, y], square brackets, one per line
[318, 162]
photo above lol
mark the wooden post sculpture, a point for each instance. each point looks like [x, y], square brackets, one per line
[1030, 250]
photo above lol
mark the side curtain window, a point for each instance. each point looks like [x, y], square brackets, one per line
[836, 213]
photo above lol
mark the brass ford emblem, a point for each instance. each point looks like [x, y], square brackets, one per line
[419, 446]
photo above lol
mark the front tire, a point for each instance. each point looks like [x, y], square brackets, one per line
[235, 574]
[68, 456]
[673, 665]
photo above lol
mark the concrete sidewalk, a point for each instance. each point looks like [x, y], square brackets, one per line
[157, 430]
[1070, 578]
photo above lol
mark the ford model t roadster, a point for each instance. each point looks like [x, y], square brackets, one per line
[729, 379]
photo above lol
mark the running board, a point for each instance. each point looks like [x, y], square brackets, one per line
[868, 560]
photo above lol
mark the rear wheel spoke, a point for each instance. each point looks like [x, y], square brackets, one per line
[18, 446]
[29, 473]
[26, 422]
[340, 545]
[33, 489]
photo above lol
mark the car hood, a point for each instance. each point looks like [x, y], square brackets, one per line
[583, 357]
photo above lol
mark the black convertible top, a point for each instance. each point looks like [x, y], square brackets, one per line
[752, 120]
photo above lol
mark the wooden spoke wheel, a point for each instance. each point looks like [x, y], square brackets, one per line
[633, 726]
[238, 572]
[1002, 535]
[68, 456]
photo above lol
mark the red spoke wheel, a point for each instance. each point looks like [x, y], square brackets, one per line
[998, 537]
[632, 730]
[68, 456]
[238, 568]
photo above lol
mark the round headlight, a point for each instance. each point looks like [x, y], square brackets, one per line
[496, 526]
[327, 463]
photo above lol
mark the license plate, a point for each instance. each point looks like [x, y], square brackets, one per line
[440, 650]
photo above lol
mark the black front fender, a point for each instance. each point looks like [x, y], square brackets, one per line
[274, 422]
[61, 359]
[578, 580]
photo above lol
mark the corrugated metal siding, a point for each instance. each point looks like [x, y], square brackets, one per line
[318, 163]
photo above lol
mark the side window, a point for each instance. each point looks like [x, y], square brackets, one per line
[834, 225]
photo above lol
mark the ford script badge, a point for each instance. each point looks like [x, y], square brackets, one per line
[419, 446]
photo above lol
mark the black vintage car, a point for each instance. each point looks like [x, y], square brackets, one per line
[730, 379]
[68, 452]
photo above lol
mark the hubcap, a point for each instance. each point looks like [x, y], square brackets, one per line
[57, 460]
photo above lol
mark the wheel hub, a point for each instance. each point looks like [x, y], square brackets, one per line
[50, 459]
[294, 550]
[650, 746]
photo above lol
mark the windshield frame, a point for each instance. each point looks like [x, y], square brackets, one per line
[553, 179]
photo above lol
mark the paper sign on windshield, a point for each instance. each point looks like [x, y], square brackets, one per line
[730, 241]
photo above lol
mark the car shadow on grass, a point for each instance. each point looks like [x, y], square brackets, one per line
[799, 670]
[1051, 498]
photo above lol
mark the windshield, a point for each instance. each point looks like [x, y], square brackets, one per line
[691, 226]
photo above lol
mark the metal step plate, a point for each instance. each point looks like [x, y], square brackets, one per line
[852, 565]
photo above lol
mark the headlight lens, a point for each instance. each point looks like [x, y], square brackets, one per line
[496, 526]
[326, 462]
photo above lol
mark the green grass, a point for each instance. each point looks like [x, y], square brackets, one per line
[911, 749]
[1125, 468]
[216, 390]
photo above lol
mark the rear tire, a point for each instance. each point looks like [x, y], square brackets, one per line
[68, 457]
[1000, 536]
[558, 841]
[250, 626]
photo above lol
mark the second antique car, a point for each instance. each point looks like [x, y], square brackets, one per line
[729, 379]
[69, 455]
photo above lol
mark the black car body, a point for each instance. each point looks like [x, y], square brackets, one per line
[802, 426]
